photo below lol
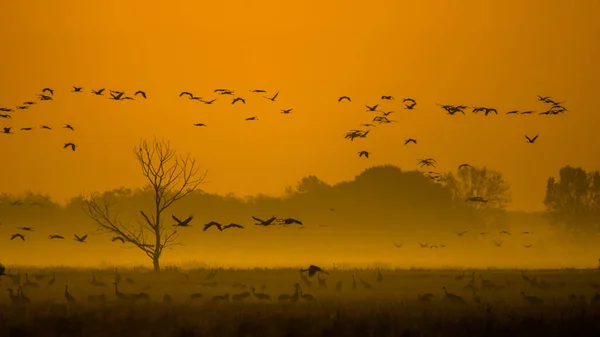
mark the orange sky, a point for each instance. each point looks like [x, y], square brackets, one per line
[495, 53]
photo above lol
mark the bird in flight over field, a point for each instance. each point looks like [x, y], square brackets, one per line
[72, 145]
[80, 238]
[272, 99]
[264, 222]
[531, 140]
[184, 223]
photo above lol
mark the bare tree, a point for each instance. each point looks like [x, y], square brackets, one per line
[171, 177]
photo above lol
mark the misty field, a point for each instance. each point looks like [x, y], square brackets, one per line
[394, 306]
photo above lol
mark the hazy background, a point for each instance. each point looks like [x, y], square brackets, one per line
[493, 53]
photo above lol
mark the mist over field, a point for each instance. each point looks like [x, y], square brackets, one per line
[356, 223]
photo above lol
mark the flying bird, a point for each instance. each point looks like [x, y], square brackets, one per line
[363, 154]
[72, 145]
[398, 245]
[139, 92]
[77, 89]
[48, 90]
[410, 140]
[372, 108]
[312, 270]
[17, 235]
[531, 140]
[199, 124]
[27, 229]
[253, 118]
[238, 99]
[67, 126]
[98, 92]
[54, 236]
[384, 97]
[211, 224]
[272, 99]
[290, 221]
[344, 98]
[286, 111]
[184, 223]
[258, 90]
[118, 238]
[233, 225]
[464, 166]
[264, 222]
[80, 238]
[410, 104]
[477, 199]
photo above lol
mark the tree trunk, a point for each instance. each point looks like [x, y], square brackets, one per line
[156, 263]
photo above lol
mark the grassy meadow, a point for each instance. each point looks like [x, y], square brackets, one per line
[396, 305]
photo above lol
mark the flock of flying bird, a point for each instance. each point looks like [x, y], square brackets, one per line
[47, 94]
[178, 223]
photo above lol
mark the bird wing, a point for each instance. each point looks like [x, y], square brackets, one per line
[257, 219]
[175, 218]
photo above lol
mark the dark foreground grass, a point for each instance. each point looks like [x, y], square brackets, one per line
[390, 308]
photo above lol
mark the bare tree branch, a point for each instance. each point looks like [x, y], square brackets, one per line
[171, 177]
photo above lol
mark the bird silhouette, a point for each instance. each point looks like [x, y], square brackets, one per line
[312, 270]
[363, 154]
[238, 99]
[80, 238]
[410, 140]
[213, 224]
[372, 108]
[72, 145]
[264, 222]
[17, 235]
[140, 92]
[272, 99]
[531, 140]
[232, 225]
[184, 223]
[344, 98]
[290, 221]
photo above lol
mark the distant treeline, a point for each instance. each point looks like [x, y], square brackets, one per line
[380, 197]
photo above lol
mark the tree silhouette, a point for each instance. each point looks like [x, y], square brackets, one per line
[573, 199]
[311, 184]
[470, 182]
[171, 177]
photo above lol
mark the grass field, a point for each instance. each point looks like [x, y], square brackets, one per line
[393, 307]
